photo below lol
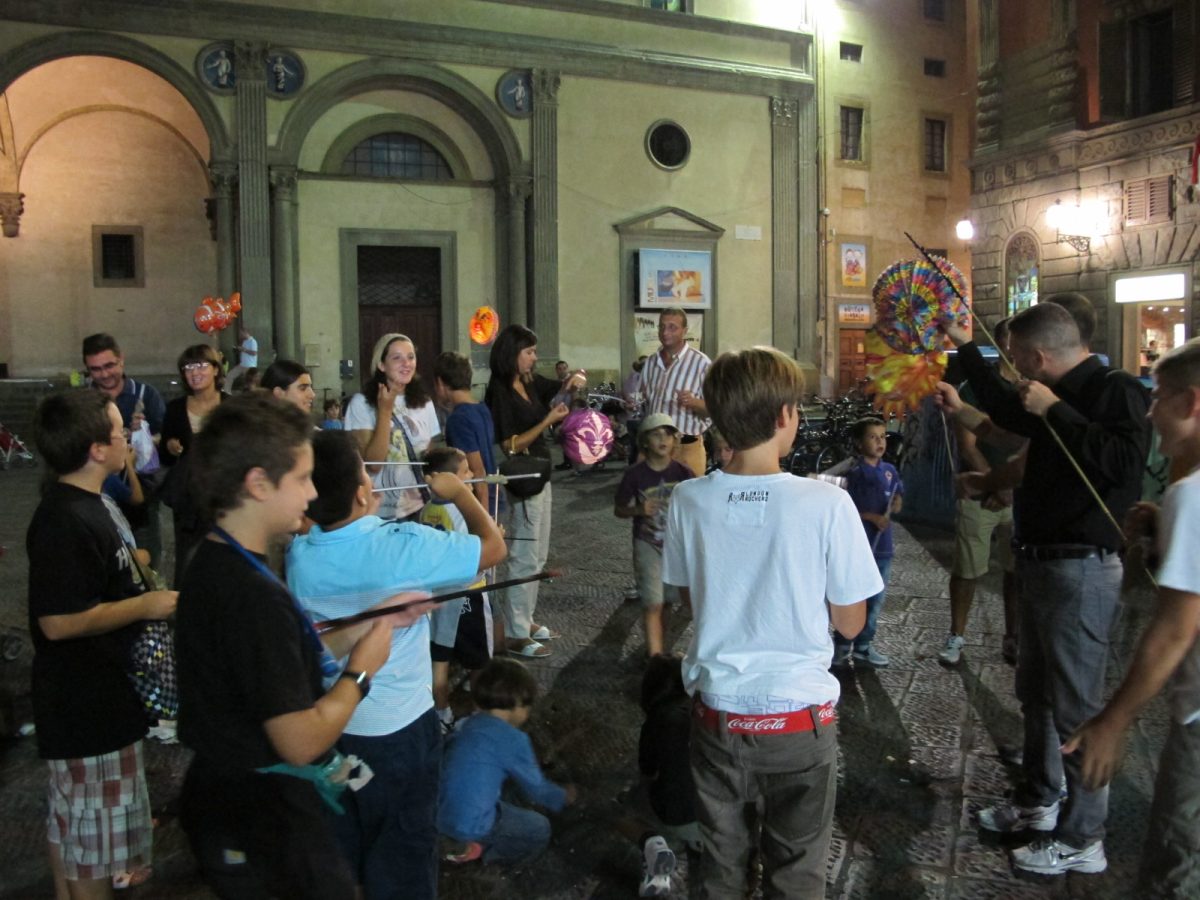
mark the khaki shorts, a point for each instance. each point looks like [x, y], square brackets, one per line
[973, 527]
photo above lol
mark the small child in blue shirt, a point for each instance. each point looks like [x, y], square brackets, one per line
[480, 757]
[877, 492]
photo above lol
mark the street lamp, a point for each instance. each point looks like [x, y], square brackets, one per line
[1072, 224]
[965, 231]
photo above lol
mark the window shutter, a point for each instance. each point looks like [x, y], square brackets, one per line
[1183, 52]
[1114, 65]
[1148, 201]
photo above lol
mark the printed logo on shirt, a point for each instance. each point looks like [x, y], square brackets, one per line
[748, 497]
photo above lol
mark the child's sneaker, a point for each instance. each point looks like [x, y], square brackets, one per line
[870, 657]
[1007, 818]
[952, 652]
[1048, 856]
[471, 851]
[658, 862]
[841, 657]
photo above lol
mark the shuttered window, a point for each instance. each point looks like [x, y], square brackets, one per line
[1148, 201]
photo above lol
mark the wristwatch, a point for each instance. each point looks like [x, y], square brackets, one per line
[361, 679]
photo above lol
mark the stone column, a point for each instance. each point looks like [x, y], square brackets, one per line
[224, 178]
[987, 102]
[807, 199]
[785, 156]
[11, 208]
[516, 195]
[283, 261]
[543, 317]
[254, 208]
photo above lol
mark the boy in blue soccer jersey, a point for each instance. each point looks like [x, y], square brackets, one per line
[877, 492]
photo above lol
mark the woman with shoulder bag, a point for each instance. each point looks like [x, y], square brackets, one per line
[521, 401]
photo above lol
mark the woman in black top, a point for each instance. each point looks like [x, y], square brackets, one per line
[520, 401]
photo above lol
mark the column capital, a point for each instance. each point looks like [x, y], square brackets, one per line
[784, 112]
[223, 176]
[11, 208]
[248, 60]
[283, 179]
[545, 87]
[518, 187]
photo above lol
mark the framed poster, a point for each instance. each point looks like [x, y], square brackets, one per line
[854, 265]
[680, 278]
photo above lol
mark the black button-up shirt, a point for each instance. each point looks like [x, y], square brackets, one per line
[1102, 422]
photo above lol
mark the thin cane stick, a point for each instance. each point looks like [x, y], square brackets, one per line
[486, 479]
[331, 624]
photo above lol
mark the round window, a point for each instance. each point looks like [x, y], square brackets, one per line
[668, 145]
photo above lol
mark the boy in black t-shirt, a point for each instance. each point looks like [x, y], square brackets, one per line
[84, 601]
[250, 668]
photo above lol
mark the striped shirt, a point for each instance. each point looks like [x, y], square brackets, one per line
[662, 384]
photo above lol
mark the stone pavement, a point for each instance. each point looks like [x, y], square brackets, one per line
[922, 746]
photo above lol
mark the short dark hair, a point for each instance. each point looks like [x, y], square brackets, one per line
[1000, 330]
[67, 424]
[858, 428]
[1081, 310]
[1047, 327]
[249, 431]
[663, 680]
[1179, 368]
[331, 402]
[443, 459]
[281, 374]
[504, 684]
[453, 369]
[337, 473]
[745, 390]
[95, 344]
[674, 311]
[201, 353]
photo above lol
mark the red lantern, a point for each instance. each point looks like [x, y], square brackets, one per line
[484, 325]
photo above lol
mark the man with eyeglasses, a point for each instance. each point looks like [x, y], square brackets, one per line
[105, 365]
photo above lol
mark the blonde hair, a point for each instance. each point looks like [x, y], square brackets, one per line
[745, 390]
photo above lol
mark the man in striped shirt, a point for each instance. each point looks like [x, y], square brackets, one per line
[673, 381]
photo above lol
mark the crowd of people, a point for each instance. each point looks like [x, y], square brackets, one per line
[312, 649]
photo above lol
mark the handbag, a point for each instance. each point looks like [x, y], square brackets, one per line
[524, 464]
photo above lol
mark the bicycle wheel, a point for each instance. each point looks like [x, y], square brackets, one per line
[830, 455]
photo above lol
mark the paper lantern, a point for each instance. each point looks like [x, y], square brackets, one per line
[484, 325]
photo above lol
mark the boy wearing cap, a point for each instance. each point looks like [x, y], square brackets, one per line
[644, 496]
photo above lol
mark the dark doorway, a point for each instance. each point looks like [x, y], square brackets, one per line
[852, 358]
[400, 290]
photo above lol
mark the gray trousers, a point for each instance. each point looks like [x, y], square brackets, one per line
[791, 779]
[1171, 858]
[1067, 610]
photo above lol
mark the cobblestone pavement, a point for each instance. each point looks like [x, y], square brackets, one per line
[922, 746]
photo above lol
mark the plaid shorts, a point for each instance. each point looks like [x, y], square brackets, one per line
[100, 813]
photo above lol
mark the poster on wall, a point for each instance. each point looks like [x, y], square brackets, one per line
[680, 278]
[645, 333]
[854, 265]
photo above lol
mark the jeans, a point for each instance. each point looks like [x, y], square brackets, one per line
[519, 836]
[863, 639]
[1067, 610]
[791, 779]
[527, 526]
[389, 830]
[1171, 858]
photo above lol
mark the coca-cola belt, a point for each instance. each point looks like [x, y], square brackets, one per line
[806, 719]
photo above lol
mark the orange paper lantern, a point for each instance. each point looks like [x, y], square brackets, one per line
[484, 325]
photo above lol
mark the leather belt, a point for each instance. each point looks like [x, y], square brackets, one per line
[807, 719]
[1048, 552]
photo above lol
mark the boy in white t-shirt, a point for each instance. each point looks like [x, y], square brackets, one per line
[1168, 649]
[767, 560]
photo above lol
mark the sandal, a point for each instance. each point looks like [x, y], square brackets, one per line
[134, 878]
[544, 633]
[529, 649]
[470, 852]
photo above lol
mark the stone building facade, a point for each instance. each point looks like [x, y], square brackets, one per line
[1083, 174]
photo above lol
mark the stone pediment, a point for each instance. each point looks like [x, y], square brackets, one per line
[668, 219]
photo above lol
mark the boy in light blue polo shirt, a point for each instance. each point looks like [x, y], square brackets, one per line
[347, 563]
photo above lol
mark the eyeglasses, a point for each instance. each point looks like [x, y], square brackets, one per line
[196, 366]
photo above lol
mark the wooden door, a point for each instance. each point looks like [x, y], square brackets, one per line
[852, 358]
[399, 290]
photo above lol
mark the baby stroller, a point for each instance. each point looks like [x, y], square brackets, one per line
[13, 449]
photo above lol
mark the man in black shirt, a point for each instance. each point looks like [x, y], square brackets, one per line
[1068, 571]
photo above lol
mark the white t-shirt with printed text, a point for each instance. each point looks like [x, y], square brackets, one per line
[1179, 535]
[761, 555]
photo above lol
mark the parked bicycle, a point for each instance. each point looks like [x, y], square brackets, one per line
[823, 440]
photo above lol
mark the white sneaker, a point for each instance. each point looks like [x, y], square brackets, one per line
[1006, 818]
[1052, 857]
[658, 862]
[952, 652]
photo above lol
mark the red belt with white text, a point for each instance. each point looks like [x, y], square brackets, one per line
[807, 719]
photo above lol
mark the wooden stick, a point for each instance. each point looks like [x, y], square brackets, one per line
[486, 479]
[331, 624]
